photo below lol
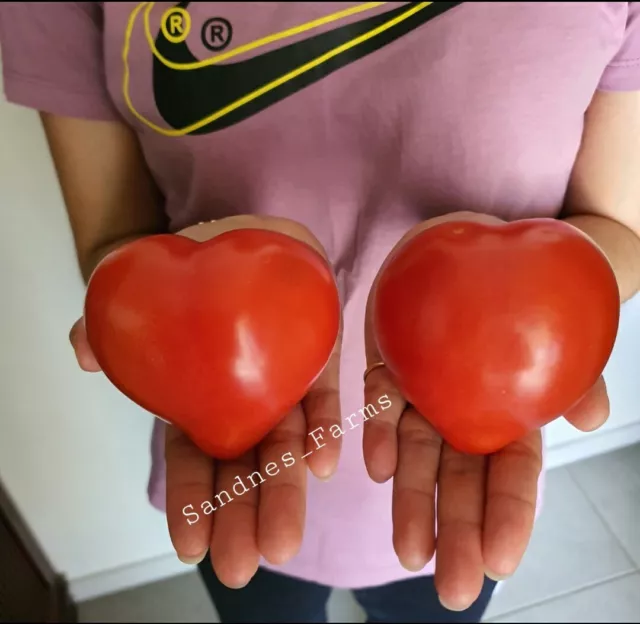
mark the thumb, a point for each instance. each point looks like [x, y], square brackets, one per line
[84, 355]
[592, 411]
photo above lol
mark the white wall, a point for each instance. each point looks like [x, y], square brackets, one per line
[73, 451]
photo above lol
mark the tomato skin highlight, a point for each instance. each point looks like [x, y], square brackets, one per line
[494, 330]
[221, 338]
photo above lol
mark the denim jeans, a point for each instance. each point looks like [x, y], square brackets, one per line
[273, 597]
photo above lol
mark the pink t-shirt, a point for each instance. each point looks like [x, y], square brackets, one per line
[358, 120]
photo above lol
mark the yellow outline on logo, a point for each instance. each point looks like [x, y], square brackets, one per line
[248, 47]
[186, 22]
[171, 132]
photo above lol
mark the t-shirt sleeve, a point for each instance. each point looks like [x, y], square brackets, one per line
[52, 58]
[623, 72]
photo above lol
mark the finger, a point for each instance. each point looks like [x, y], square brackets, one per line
[189, 483]
[593, 410]
[380, 435]
[283, 491]
[512, 488]
[78, 337]
[384, 406]
[234, 547]
[459, 574]
[414, 490]
[321, 408]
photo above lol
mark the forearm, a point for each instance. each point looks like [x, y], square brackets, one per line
[110, 195]
[621, 246]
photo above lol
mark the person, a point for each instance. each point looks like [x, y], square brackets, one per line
[350, 124]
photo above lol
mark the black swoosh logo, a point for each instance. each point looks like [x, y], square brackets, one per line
[184, 97]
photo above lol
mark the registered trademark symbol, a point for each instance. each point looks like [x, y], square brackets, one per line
[175, 24]
[216, 34]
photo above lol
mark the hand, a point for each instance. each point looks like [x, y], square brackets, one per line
[485, 504]
[267, 520]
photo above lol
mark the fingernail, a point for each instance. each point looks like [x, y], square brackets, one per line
[496, 577]
[240, 581]
[450, 607]
[238, 585]
[414, 564]
[325, 473]
[325, 477]
[192, 560]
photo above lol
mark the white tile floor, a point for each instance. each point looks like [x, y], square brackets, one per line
[583, 563]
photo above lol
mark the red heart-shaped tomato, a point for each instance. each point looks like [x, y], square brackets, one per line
[221, 338]
[494, 330]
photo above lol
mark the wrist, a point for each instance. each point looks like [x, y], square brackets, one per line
[618, 244]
